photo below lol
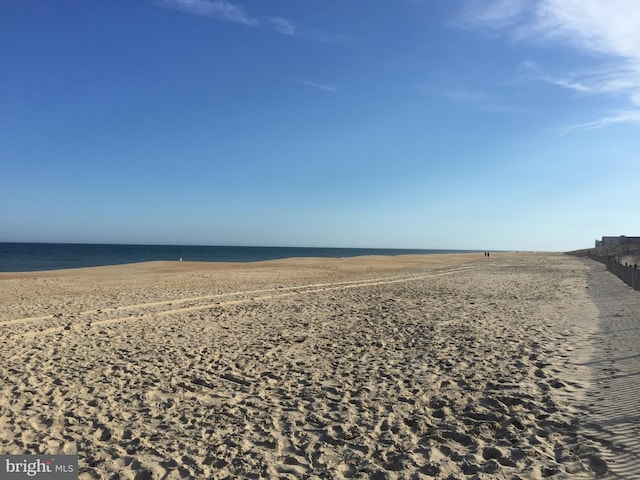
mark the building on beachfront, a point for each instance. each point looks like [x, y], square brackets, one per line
[617, 241]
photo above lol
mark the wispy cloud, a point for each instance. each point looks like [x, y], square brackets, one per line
[235, 13]
[631, 116]
[493, 15]
[610, 27]
[466, 96]
[606, 80]
[608, 30]
[569, 83]
[617, 80]
[332, 38]
[282, 25]
[475, 98]
[319, 86]
[217, 9]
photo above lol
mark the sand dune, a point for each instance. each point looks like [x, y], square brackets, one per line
[452, 366]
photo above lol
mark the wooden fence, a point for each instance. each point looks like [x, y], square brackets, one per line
[629, 274]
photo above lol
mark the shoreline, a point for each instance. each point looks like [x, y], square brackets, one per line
[23, 257]
[378, 367]
[207, 265]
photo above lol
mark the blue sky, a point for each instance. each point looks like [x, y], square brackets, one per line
[510, 124]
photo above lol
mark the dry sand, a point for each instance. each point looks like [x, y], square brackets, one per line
[441, 366]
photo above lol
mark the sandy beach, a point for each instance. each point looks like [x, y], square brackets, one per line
[517, 366]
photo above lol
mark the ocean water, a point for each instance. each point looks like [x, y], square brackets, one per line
[29, 257]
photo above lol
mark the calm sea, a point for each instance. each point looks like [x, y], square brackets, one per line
[29, 257]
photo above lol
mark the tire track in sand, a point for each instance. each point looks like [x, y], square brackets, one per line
[248, 297]
[136, 306]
